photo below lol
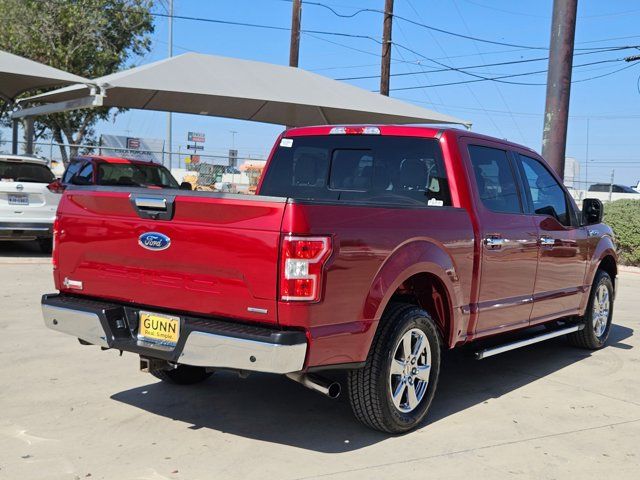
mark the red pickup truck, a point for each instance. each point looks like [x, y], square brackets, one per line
[368, 249]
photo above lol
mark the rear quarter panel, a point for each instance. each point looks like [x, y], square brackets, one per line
[375, 250]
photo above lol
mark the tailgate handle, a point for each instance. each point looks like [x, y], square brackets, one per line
[149, 203]
[153, 207]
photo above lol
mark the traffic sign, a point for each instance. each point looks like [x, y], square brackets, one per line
[195, 147]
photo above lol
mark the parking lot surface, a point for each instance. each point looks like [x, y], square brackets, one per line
[71, 412]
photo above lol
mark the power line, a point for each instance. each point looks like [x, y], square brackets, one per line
[501, 78]
[420, 24]
[343, 34]
[522, 14]
[468, 87]
[430, 27]
[496, 64]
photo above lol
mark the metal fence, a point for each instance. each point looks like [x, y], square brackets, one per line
[205, 171]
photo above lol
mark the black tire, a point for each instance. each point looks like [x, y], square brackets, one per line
[587, 337]
[369, 387]
[45, 244]
[182, 375]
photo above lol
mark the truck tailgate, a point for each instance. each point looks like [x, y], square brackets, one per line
[222, 258]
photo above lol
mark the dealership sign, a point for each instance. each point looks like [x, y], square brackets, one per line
[196, 137]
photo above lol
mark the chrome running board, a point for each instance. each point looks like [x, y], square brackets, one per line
[490, 352]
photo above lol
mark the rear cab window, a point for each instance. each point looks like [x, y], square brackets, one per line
[359, 168]
[25, 172]
[135, 175]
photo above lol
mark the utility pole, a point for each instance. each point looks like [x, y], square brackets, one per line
[294, 47]
[611, 184]
[556, 114]
[385, 65]
[169, 123]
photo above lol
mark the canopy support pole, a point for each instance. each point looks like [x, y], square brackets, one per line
[14, 136]
[29, 134]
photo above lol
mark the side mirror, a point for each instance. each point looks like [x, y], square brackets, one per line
[186, 186]
[592, 211]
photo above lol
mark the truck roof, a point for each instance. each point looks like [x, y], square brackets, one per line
[399, 130]
[108, 159]
[22, 158]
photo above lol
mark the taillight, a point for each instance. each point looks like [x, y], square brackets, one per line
[301, 267]
[56, 235]
[56, 187]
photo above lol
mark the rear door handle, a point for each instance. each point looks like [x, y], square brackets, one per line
[493, 242]
[546, 241]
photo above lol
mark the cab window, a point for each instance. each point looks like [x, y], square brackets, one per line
[495, 179]
[544, 192]
[72, 169]
[360, 168]
[84, 176]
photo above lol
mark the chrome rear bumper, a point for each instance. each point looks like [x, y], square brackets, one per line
[204, 342]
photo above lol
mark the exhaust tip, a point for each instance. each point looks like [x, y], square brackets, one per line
[334, 390]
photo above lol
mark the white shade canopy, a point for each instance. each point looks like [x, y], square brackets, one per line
[248, 90]
[19, 75]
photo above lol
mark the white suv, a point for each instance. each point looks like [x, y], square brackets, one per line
[27, 204]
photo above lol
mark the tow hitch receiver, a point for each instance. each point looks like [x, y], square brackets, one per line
[148, 364]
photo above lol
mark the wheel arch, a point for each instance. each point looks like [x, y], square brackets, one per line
[422, 273]
[604, 257]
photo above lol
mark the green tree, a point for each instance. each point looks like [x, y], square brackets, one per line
[90, 38]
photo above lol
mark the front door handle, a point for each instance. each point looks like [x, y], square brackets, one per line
[546, 241]
[493, 242]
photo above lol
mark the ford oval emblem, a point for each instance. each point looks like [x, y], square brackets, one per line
[154, 241]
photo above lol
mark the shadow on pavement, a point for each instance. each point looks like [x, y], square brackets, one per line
[274, 409]
[18, 249]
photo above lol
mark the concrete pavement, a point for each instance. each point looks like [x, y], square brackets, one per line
[71, 412]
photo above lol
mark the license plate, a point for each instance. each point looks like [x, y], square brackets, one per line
[18, 199]
[159, 328]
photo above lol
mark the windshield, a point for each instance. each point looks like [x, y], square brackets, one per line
[135, 175]
[359, 168]
[25, 172]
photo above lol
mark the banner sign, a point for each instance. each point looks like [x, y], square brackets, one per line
[149, 149]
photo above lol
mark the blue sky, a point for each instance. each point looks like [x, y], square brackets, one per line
[611, 103]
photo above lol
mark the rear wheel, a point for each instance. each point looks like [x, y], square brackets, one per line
[394, 390]
[597, 319]
[182, 375]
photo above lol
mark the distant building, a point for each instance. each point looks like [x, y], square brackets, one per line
[572, 173]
